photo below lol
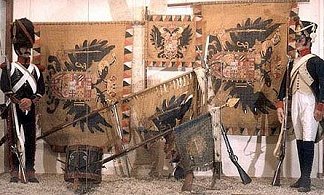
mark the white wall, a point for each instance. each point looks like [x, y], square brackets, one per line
[254, 153]
[62, 10]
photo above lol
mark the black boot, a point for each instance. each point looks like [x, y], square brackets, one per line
[14, 173]
[31, 177]
[187, 184]
[305, 184]
[14, 176]
[300, 151]
[30, 151]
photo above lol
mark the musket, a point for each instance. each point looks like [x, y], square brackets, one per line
[280, 150]
[244, 176]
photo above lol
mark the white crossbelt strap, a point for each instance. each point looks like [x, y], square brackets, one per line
[296, 66]
[27, 76]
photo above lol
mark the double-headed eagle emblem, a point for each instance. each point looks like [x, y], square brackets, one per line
[171, 42]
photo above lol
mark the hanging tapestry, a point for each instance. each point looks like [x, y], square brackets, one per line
[170, 41]
[87, 66]
[247, 58]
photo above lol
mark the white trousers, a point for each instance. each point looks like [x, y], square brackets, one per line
[302, 113]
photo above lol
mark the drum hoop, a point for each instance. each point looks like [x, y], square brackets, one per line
[84, 147]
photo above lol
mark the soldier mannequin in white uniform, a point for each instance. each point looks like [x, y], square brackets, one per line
[307, 90]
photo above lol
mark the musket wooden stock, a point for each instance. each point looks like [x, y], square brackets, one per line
[244, 176]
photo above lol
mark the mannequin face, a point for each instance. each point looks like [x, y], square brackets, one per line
[301, 43]
[25, 52]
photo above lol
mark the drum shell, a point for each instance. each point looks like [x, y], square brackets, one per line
[80, 163]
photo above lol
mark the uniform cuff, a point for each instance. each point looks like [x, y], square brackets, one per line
[3, 65]
[319, 106]
[279, 104]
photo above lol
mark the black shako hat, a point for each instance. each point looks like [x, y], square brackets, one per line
[306, 28]
[22, 33]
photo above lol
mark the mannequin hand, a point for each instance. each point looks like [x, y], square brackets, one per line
[280, 114]
[25, 104]
[318, 112]
[318, 115]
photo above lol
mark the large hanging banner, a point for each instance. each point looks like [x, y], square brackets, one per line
[170, 41]
[247, 56]
[87, 66]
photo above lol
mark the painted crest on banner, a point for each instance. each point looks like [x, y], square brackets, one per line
[72, 85]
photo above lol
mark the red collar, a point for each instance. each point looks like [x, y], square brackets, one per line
[304, 52]
[23, 61]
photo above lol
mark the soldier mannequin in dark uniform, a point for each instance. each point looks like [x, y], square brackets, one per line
[24, 88]
[307, 90]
